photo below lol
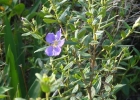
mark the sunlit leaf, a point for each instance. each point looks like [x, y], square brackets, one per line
[40, 49]
[118, 87]
[26, 34]
[75, 89]
[69, 65]
[47, 20]
[93, 91]
[19, 99]
[4, 89]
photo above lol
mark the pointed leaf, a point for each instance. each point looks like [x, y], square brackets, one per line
[75, 89]
[69, 65]
[4, 89]
[48, 20]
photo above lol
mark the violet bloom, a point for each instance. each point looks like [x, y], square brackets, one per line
[55, 43]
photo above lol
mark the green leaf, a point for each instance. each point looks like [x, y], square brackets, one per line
[106, 25]
[137, 52]
[86, 39]
[125, 86]
[48, 16]
[82, 16]
[98, 85]
[107, 87]
[4, 89]
[102, 11]
[83, 3]
[56, 84]
[38, 76]
[97, 20]
[83, 54]
[36, 36]
[109, 36]
[93, 42]
[2, 33]
[106, 42]
[72, 98]
[128, 58]
[126, 25]
[99, 34]
[10, 60]
[48, 20]
[34, 90]
[40, 62]
[93, 91]
[21, 56]
[8, 36]
[123, 34]
[118, 87]
[124, 45]
[72, 27]
[18, 9]
[137, 67]
[133, 88]
[64, 14]
[26, 34]
[121, 68]
[81, 33]
[6, 2]
[109, 78]
[79, 95]
[75, 89]
[69, 65]
[69, 42]
[3, 96]
[40, 49]
[107, 81]
[32, 11]
[61, 3]
[107, 47]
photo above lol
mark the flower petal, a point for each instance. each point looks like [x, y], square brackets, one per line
[50, 37]
[58, 34]
[49, 51]
[61, 43]
[56, 51]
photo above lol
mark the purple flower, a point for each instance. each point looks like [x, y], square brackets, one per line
[55, 43]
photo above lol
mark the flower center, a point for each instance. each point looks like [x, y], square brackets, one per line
[55, 43]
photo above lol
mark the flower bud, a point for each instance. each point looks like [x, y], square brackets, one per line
[25, 22]
[34, 22]
[45, 84]
[137, 23]
[44, 9]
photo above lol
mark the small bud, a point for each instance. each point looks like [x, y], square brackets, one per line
[34, 22]
[44, 9]
[45, 84]
[137, 23]
[25, 22]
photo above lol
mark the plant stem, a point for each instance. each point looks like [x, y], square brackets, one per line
[47, 96]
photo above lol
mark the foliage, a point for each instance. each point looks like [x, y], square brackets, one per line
[95, 63]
